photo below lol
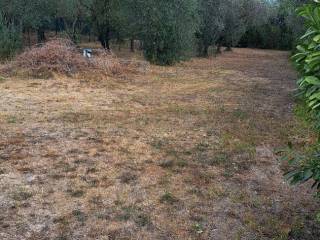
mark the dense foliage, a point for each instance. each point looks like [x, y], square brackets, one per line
[10, 40]
[306, 166]
[307, 60]
[308, 57]
[167, 30]
[211, 25]
[278, 26]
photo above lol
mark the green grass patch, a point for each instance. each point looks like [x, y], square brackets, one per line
[168, 198]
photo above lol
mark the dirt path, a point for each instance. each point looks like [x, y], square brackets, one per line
[184, 152]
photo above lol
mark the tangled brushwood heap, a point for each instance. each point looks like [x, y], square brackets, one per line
[61, 56]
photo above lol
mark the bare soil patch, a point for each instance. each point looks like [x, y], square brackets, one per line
[183, 152]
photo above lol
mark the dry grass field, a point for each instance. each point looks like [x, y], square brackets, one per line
[182, 152]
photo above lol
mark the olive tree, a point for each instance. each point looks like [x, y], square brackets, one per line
[211, 24]
[167, 29]
[106, 19]
[234, 22]
[72, 15]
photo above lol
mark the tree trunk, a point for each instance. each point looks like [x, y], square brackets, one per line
[29, 37]
[205, 51]
[132, 45]
[200, 49]
[56, 26]
[74, 30]
[104, 39]
[141, 45]
[41, 35]
[107, 44]
[104, 42]
[219, 48]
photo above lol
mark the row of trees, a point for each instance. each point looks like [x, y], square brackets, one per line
[169, 29]
[279, 26]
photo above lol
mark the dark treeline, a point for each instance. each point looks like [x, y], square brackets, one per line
[168, 30]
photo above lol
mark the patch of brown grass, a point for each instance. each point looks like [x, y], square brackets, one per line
[181, 152]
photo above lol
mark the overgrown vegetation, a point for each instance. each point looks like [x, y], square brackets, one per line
[167, 31]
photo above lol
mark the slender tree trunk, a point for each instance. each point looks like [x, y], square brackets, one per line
[219, 48]
[104, 39]
[29, 37]
[41, 35]
[200, 49]
[74, 30]
[141, 45]
[132, 45]
[57, 26]
[205, 50]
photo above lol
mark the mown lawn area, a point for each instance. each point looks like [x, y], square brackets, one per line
[182, 152]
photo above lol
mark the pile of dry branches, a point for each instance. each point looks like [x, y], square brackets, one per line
[63, 57]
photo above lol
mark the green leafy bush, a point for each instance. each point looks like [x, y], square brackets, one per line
[307, 60]
[10, 39]
[308, 57]
[306, 166]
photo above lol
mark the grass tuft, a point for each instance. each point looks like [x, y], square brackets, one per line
[168, 198]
